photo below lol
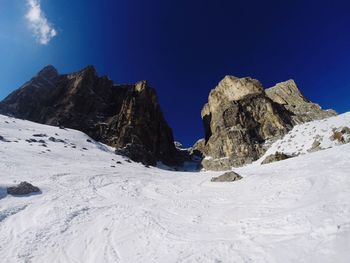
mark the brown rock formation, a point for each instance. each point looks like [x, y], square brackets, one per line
[241, 120]
[287, 94]
[238, 119]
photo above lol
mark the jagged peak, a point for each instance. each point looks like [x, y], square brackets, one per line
[89, 69]
[289, 86]
[285, 92]
[234, 88]
[48, 71]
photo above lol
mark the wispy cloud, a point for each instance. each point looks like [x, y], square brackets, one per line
[41, 27]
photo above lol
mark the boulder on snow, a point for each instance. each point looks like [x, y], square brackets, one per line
[316, 146]
[227, 177]
[23, 188]
[278, 156]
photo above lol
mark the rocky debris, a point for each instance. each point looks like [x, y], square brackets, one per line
[342, 135]
[127, 117]
[39, 135]
[227, 177]
[53, 139]
[31, 140]
[316, 146]
[238, 119]
[23, 188]
[287, 94]
[278, 156]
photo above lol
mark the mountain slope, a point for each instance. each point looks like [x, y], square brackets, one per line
[313, 136]
[128, 117]
[93, 209]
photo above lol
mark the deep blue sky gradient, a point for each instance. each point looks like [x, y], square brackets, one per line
[184, 48]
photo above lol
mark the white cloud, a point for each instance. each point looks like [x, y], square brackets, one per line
[42, 29]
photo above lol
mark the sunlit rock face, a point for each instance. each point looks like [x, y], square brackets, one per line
[241, 120]
[127, 117]
[287, 94]
[238, 119]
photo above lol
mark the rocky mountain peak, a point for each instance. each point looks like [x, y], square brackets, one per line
[286, 92]
[89, 70]
[232, 88]
[302, 110]
[48, 72]
[241, 120]
[238, 119]
[127, 117]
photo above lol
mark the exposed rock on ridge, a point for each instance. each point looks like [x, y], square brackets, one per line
[287, 94]
[128, 117]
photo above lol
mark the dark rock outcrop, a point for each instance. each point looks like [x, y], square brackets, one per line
[227, 177]
[23, 188]
[127, 117]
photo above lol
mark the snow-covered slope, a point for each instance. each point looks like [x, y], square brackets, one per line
[300, 140]
[94, 209]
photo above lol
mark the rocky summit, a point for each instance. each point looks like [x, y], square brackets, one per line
[127, 117]
[301, 109]
[241, 120]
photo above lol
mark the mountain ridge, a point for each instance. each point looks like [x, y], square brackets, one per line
[241, 118]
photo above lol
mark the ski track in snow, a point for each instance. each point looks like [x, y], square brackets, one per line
[296, 210]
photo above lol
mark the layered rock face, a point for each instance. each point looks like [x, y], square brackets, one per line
[241, 120]
[238, 119]
[287, 94]
[127, 117]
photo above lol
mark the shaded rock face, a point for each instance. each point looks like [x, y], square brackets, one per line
[227, 177]
[287, 94]
[23, 188]
[127, 117]
[238, 119]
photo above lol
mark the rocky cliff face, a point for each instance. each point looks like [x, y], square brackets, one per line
[241, 120]
[127, 117]
[287, 94]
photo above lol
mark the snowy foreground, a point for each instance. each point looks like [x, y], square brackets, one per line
[93, 209]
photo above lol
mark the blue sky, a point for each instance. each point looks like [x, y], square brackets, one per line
[184, 48]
